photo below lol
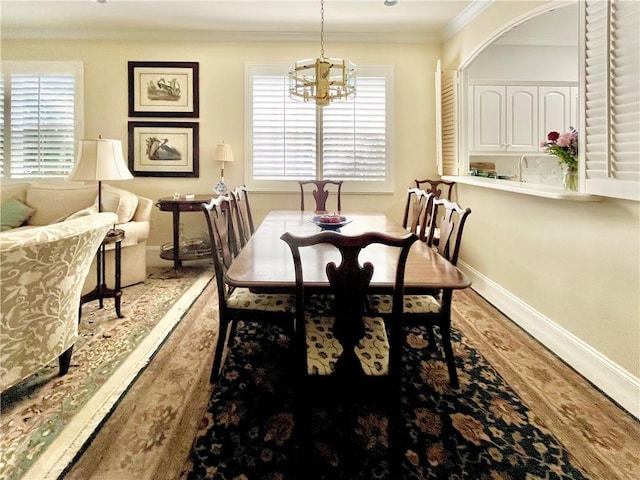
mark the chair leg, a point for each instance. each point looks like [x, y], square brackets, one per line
[432, 347]
[445, 331]
[220, 344]
[232, 333]
[64, 361]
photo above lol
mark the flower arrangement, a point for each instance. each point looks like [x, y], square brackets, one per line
[564, 146]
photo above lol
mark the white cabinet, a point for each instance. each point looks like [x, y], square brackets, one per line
[516, 118]
[489, 132]
[522, 114]
[554, 106]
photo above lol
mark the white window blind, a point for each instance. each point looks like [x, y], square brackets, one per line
[284, 131]
[39, 133]
[354, 134]
[290, 140]
[612, 98]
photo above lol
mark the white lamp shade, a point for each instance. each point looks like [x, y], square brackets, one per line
[100, 159]
[223, 153]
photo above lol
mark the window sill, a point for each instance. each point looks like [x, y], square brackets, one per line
[533, 189]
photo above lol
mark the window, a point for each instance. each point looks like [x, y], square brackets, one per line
[612, 98]
[40, 118]
[288, 140]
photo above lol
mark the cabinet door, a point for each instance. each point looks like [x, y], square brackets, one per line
[489, 118]
[554, 104]
[522, 119]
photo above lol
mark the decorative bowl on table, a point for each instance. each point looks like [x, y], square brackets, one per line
[331, 221]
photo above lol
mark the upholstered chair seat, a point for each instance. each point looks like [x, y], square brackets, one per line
[267, 302]
[324, 349]
[382, 304]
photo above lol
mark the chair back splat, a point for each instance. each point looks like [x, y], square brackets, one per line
[320, 194]
[242, 219]
[218, 218]
[417, 212]
[451, 219]
[436, 187]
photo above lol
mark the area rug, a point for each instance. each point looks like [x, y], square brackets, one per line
[481, 431]
[47, 419]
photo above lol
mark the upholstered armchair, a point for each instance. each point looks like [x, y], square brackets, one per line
[42, 270]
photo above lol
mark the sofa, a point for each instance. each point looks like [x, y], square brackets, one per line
[29, 205]
[42, 271]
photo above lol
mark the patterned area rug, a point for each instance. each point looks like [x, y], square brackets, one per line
[47, 419]
[483, 430]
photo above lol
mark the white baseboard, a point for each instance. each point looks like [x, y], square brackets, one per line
[613, 380]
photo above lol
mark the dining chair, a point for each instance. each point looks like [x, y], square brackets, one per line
[242, 218]
[436, 187]
[341, 353]
[433, 307]
[417, 212]
[236, 304]
[320, 194]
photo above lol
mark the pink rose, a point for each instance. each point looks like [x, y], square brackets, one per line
[553, 136]
[564, 140]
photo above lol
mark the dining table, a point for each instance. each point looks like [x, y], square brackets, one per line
[266, 263]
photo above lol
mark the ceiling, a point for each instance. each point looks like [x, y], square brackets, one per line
[410, 21]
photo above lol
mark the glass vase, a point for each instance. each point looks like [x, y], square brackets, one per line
[570, 180]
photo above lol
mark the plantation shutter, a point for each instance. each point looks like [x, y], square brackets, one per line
[354, 133]
[284, 131]
[289, 140]
[42, 125]
[612, 98]
[446, 121]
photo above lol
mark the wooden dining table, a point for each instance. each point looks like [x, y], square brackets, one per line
[266, 263]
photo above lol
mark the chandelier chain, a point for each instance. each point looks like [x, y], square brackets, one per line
[321, 28]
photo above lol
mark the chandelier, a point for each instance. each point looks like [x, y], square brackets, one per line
[323, 79]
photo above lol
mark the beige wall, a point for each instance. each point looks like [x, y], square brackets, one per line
[222, 109]
[577, 264]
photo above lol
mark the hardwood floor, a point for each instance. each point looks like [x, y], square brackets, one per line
[149, 435]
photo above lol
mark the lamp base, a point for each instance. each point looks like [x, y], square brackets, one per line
[220, 188]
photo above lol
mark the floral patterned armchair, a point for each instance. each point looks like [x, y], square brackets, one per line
[42, 271]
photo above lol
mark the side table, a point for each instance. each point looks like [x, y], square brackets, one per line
[101, 291]
[176, 205]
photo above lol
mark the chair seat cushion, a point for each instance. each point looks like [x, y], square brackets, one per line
[324, 350]
[267, 302]
[381, 304]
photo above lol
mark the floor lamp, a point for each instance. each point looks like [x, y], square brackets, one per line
[100, 159]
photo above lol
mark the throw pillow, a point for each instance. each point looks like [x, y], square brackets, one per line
[14, 213]
[120, 201]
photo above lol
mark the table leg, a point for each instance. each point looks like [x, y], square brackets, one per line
[176, 238]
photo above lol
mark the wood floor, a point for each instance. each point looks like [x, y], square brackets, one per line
[149, 435]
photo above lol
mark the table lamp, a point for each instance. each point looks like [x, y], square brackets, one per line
[222, 154]
[100, 159]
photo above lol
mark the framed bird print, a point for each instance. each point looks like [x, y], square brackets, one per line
[163, 149]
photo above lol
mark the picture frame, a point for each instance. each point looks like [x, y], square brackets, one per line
[164, 89]
[164, 149]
